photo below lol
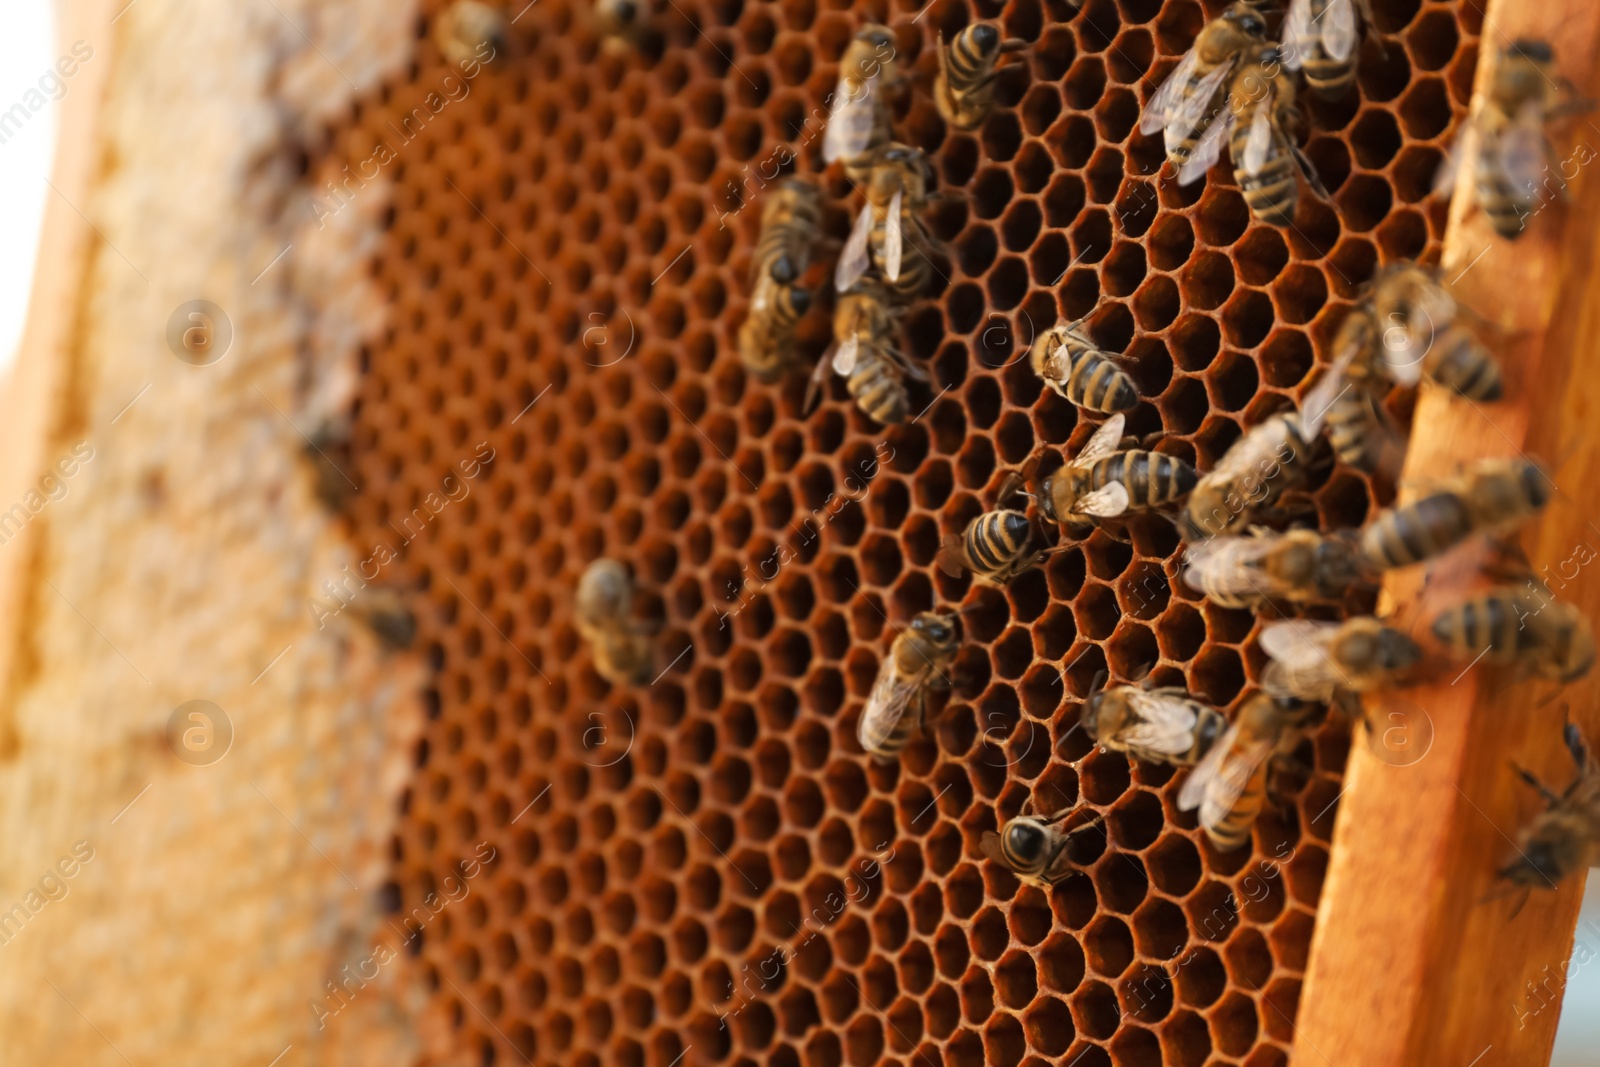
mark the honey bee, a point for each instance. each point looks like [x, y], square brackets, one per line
[858, 119]
[1564, 839]
[1261, 109]
[1154, 725]
[919, 660]
[1493, 497]
[1521, 627]
[467, 29]
[1359, 429]
[1041, 850]
[964, 92]
[864, 353]
[385, 612]
[1069, 362]
[1422, 334]
[996, 546]
[1188, 100]
[604, 613]
[1102, 482]
[1505, 136]
[1320, 661]
[888, 225]
[1248, 572]
[789, 222]
[1229, 785]
[1322, 38]
[1260, 466]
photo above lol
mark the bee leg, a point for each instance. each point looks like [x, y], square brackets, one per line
[1508, 561]
[1545, 792]
[1579, 749]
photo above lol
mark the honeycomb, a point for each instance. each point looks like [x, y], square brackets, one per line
[706, 869]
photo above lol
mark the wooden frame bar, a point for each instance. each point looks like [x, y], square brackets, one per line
[1411, 964]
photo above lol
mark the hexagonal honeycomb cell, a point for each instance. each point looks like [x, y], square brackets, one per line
[706, 868]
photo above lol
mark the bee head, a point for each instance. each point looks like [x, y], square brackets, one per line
[939, 629]
[1246, 20]
[625, 12]
[875, 35]
[1298, 561]
[986, 37]
[782, 269]
[1025, 840]
[1393, 650]
[1047, 499]
[1551, 852]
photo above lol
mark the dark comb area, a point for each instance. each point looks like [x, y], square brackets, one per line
[707, 869]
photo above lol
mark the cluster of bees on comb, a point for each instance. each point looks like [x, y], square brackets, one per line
[1245, 542]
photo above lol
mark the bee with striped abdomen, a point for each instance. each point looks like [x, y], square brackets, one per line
[1103, 482]
[996, 546]
[1069, 361]
[858, 116]
[888, 232]
[1359, 429]
[1564, 839]
[1256, 125]
[964, 92]
[1493, 497]
[604, 611]
[1504, 138]
[919, 660]
[1041, 850]
[1154, 725]
[790, 220]
[1261, 466]
[1249, 572]
[470, 32]
[1323, 39]
[1521, 627]
[1188, 100]
[1229, 785]
[1320, 661]
[864, 353]
[1422, 334]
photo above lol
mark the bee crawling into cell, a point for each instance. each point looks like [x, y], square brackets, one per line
[997, 545]
[1043, 850]
[1156, 725]
[1564, 839]
[919, 661]
[1505, 142]
[1104, 481]
[968, 63]
[1229, 785]
[622, 644]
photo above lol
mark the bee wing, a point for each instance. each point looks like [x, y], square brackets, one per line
[763, 294]
[1258, 145]
[1314, 406]
[851, 120]
[814, 387]
[893, 238]
[1339, 29]
[1522, 151]
[889, 701]
[1160, 108]
[1232, 779]
[854, 259]
[1301, 666]
[1444, 179]
[1209, 148]
[1196, 107]
[1168, 722]
[1103, 443]
[1194, 790]
[1106, 502]
[844, 359]
[989, 843]
[952, 558]
[1299, 36]
[1229, 563]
